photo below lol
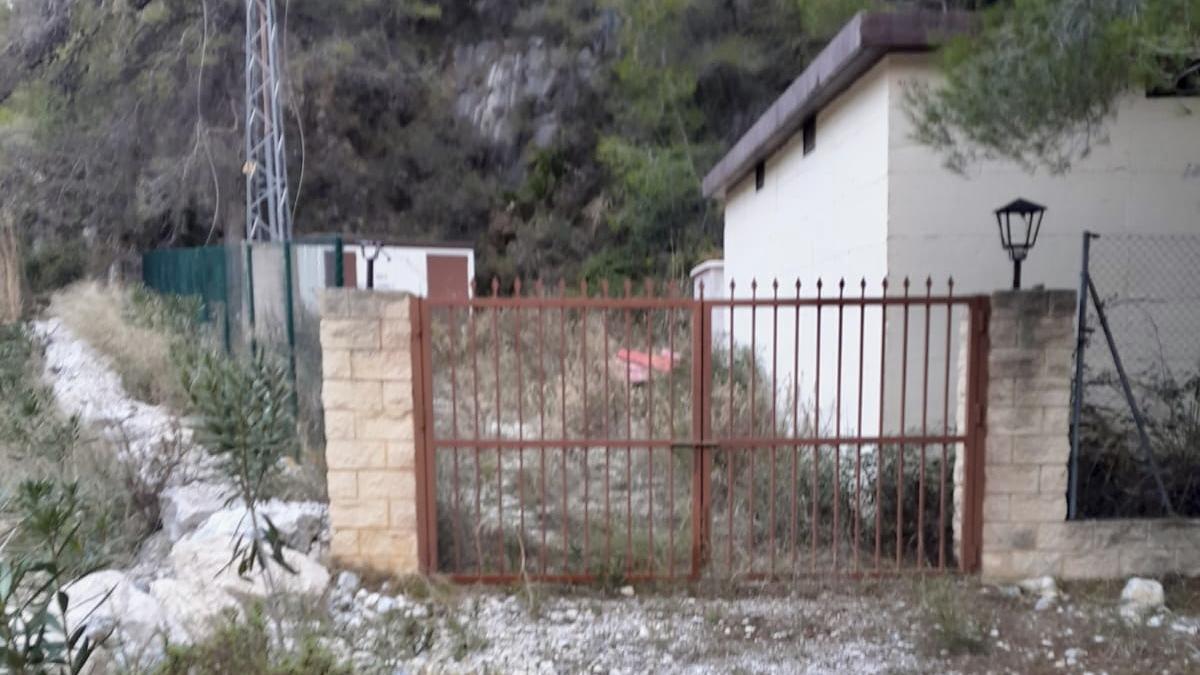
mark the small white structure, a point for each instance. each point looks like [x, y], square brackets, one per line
[829, 183]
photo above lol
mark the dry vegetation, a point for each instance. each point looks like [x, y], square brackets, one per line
[140, 332]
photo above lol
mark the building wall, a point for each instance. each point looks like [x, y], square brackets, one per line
[1143, 180]
[402, 268]
[820, 216]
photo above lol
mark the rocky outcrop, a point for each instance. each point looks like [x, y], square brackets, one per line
[513, 91]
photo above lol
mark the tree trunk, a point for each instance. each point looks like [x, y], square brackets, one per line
[12, 270]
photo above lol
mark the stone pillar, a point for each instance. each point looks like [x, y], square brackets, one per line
[1028, 421]
[367, 394]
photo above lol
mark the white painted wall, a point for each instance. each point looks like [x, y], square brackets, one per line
[871, 201]
[820, 216]
[403, 268]
[1144, 180]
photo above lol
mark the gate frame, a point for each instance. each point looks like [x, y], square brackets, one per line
[978, 350]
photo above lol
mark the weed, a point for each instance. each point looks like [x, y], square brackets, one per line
[245, 646]
[953, 628]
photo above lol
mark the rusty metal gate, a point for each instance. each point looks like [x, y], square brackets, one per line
[595, 433]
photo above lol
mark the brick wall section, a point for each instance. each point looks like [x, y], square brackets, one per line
[1025, 531]
[367, 395]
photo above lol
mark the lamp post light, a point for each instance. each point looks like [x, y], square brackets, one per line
[1019, 223]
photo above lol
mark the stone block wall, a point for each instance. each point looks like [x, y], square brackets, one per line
[1025, 527]
[370, 448]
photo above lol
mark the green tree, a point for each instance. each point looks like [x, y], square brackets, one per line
[1043, 77]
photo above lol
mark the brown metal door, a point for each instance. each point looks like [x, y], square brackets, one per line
[446, 277]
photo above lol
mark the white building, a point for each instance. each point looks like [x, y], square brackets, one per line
[829, 183]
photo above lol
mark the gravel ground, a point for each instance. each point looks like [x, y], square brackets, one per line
[832, 627]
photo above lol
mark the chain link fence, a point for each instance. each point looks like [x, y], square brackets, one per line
[1136, 413]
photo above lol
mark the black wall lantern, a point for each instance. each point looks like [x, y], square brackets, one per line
[1019, 224]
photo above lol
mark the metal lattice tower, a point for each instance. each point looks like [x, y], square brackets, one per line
[267, 215]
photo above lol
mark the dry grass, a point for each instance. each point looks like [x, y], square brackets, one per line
[110, 319]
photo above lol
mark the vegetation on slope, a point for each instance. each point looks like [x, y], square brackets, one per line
[121, 125]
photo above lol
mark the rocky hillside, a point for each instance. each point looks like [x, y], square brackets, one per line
[561, 136]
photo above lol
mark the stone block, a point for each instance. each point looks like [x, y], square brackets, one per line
[1040, 508]
[1027, 564]
[1014, 420]
[1012, 362]
[389, 427]
[995, 508]
[1092, 565]
[1009, 537]
[401, 454]
[343, 545]
[999, 450]
[358, 514]
[332, 302]
[350, 334]
[1002, 391]
[398, 397]
[385, 364]
[1056, 420]
[1038, 450]
[1011, 479]
[335, 364]
[403, 514]
[1148, 562]
[397, 306]
[1052, 480]
[339, 425]
[342, 484]
[1002, 334]
[351, 395]
[387, 484]
[1059, 363]
[388, 545]
[355, 454]
[996, 565]
[1173, 533]
[397, 333]
[364, 304]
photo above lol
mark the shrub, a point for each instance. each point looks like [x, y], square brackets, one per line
[953, 628]
[245, 646]
[1115, 480]
[245, 421]
[34, 632]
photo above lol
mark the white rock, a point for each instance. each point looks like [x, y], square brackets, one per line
[1044, 603]
[627, 591]
[193, 607]
[1040, 586]
[1140, 597]
[206, 561]
[1155, 621]
[107, 602]
[186, 507]
[299, 523]
[348, 583]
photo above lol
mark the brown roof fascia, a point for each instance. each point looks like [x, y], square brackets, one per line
[858, 46]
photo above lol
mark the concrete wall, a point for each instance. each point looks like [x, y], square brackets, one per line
[1025, 531]
[370, 429]
[820, 215]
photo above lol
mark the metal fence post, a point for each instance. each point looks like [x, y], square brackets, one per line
[1080, 346]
